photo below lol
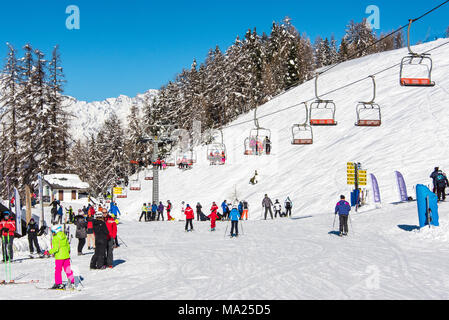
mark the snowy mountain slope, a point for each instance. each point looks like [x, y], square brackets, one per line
[89, 116]
[412, 139]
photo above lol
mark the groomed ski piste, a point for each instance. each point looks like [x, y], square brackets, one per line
[385, 256]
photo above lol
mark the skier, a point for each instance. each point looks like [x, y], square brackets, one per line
[267, 204]
[153, 211]
[342, 209]
[245, 209]
[288, 207]
[114, 209]
[112, 229]
[90, 229]
[213, 216]
[160, 211]
[61, 251]
[234, 216]
[169, 207]
[198, 211]
[59, 215]
[267, 145]
[240, 208]
[81, 231]
[7, 228]
[277, 208]
[101, 240]
[69, 215]
[224, 207]
[190, 215]
[433, 176]
[441, 184]
[32, 231]
[144, 213]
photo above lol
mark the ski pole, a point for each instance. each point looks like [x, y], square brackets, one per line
[333, 225]
[350, 221]
[4, 256]
[122, 241]
[227, 225]
[243, 231]
[9, 259]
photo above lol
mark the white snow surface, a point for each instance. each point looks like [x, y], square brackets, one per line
[66, 180]
[385, 256]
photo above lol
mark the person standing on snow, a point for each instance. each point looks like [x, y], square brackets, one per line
[153, 211]
[190, 215]
[198, 211]
[169, 207]
[32, 230]
[213, 216]
[61, 250]
[277, 208]
[160, 211]
[288, 207]
[81, 232]
[235, 217]
[59, 215]
[433, 176]
[114, 209]
[342, 209]
[144, 213]
[7, 228]
[267, 204]
[240, 208]
[441, 184]
[112, 234]
[245, 209]
[90, 229]
[101, 241]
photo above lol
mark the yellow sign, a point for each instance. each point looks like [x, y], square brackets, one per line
[118, 190]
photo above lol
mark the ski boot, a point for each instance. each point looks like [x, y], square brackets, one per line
[58, 287]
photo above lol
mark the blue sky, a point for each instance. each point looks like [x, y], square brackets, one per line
[128, 47]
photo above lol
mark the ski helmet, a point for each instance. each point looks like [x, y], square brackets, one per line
[98, 215]
[56, 228]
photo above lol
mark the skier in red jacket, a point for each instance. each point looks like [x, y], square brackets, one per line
[7, 227]
[169, 207]
[213, 216]
[190, 215]
[112, 228]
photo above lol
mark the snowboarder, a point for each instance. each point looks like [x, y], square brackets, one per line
[213, 216]
[234, 216]
[267, 204]
[245, 209]
[342, 209]
[433, 176]
[81, 231]
[190, 215]
[198, 211]
[160, 211]
[277, 208]
[7, 228]
[101, 240]
[253, 180]
[144, 213]
[110, 244]
[288, 207]
[32, 231]
[61, 251]
[441, 184]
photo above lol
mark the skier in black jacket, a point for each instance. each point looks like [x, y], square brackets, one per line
[101, 238]
[32, 231]
[198, 211]
[433, 176]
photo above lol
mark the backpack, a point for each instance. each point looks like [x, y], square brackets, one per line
[440, 179]
[288, 205]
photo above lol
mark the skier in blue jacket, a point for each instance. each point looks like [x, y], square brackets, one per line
[342, 209]
[114, 209]
[235, 217]
[225, 208]
[153, 211]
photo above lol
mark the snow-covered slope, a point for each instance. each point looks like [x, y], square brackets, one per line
[89, 116]
[413, 139]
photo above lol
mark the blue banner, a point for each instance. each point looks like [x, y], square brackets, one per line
[375, 186]
[401, 187]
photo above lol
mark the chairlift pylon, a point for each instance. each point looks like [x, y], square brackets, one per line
[421, 60]
[255, 143]
[302, 133]
[370, 106]
[320, 104]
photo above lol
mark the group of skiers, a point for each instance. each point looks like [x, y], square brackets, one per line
[440, 182]
[149, 211]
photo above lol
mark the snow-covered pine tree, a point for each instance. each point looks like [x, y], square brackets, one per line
[359, 38]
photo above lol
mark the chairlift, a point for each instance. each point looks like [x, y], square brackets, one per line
[216, 152]
[134, 184]
[302, 133]
[255, 144]
[371, 108]
[185, 159]
[320, 106]
[148, 175]
[420, 63]
[170, 161]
